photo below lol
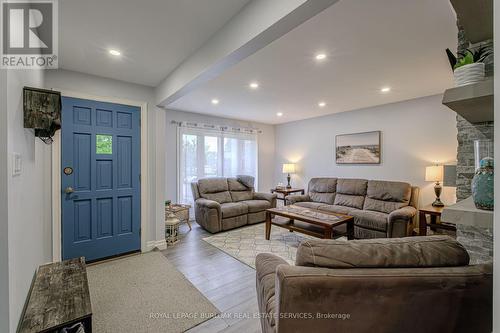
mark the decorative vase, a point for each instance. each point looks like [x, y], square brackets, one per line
[469, 74]
[482, 185]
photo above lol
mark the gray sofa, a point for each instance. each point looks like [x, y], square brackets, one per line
[227, 203]
[412, 284]
[381, 209]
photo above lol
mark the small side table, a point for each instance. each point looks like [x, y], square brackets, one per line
[286, 192]
[181, 211]
[435, 219]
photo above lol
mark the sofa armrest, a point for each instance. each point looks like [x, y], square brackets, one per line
[266, 196]
[208, 203]
[265, 266]
[291, 199]
[208, 214]
[400, 221]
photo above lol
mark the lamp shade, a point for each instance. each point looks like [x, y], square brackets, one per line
[434, 173]
[288, 168]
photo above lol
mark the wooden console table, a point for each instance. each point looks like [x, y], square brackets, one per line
[286, 192]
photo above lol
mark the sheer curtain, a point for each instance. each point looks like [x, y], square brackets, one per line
[212, 153]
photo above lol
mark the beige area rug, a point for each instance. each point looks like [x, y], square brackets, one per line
[144, 293]
[245, 243]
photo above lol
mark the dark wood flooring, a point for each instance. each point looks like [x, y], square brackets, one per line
[225, 281]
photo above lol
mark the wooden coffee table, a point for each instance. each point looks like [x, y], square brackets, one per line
[309, 221]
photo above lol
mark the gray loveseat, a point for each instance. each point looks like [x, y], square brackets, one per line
[227, 203]
[381, 209]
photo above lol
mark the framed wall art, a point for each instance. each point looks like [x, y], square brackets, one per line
[358, 148]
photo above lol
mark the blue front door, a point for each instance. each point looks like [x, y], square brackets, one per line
[100, 183]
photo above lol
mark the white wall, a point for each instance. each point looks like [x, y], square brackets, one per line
[4, 225]
[415, 134]
[266, 154]
[64, 80]
[29, 214]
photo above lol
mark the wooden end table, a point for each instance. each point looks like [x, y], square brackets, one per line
[286, 192]
[309, 222]
[435, 220]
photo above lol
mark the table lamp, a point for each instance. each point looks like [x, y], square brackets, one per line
[435, 173]
[288, 168]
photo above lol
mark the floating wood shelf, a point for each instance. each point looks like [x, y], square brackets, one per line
[474, 102]
[476, 17]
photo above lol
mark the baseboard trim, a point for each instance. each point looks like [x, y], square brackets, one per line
[159, 244]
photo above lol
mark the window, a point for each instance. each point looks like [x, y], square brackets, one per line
[104, 144]
[204, 153]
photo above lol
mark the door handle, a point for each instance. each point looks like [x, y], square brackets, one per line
[69, 190]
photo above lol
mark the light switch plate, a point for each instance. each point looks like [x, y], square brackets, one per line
[17, 164]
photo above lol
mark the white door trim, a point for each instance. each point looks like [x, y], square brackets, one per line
[56, 172]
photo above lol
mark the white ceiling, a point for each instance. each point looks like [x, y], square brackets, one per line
[370, 45]
[154, 36]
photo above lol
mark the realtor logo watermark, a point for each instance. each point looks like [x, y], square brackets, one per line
[29, 34]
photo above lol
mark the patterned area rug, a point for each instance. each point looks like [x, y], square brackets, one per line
[245, 243]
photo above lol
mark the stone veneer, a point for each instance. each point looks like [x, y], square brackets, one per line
[477, 241]
[468, 132]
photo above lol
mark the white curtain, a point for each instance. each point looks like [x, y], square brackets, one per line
[212, 153]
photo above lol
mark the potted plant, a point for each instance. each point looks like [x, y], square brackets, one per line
[469, 68]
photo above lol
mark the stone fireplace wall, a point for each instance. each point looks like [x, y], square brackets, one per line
[468, 132]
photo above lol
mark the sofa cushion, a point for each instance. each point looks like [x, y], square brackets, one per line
[255, 206]
[215, 189]
[352, 186]
[213, 185]
[370, 219]
[382, 206]
[337, 209]
[354, 201]
[220, 197]
[237, 196]
[234, 222]
[256, 217]
[322, 190]
[309, 204]
[351, 193]
[389, 191]
[414, 252]
[386, 196]
[231, 209]
[239, 191]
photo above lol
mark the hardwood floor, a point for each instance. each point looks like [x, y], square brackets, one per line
[225, 281]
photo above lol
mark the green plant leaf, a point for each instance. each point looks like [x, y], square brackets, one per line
[466, 60]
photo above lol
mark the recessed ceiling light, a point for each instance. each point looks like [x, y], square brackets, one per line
[116, 53]
[321, 104]
[215, 101]
[320, 56]
[253, 85]
[279, 114]
[385, 89]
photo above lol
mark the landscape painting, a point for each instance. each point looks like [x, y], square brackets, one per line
[358, 148]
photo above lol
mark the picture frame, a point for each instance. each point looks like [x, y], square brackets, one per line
[362, 148]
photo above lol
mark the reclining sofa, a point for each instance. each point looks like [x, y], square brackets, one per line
[411, 284]
[227, 203]
[381, 209]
